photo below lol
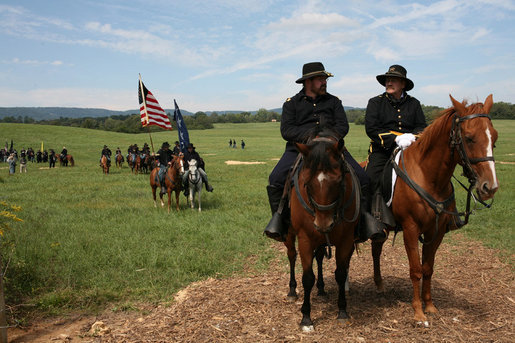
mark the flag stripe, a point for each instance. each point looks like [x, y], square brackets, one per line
[154, 115]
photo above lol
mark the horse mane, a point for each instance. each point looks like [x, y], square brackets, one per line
[437, 129]
[318, 158]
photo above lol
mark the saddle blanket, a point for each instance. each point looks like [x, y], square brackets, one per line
[388, 194]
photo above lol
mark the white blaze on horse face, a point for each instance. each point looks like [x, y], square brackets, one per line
[182, 166]
[321, 177]
[490, 153]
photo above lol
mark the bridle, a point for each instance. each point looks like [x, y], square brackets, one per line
[456, 143]
[338, 206]
[193, 176]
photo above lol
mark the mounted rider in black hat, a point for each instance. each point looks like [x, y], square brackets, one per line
[107, 153]
[165, 157]
[392, 119]
[312, 109]
[191, 154]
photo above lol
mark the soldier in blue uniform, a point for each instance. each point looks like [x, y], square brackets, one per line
[312, 109]
[165, 157]
[392, 119]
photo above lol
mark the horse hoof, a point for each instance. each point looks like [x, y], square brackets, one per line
[343, 321]
[424, 324]
[308, 328]
[292, 298]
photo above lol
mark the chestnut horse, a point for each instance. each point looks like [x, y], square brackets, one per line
[423, 201]
[64, 160]
[324, 210]
[173, 181]
[135, 165]
[105, 164]
[119, 160]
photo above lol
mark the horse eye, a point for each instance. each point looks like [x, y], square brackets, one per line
[469, 139]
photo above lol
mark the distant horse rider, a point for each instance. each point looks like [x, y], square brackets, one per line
[129, 149]
[189, 155]
[64, 153]
[177, 148]
[165, 157]
[134, 151]
[145, 151]
[107, 153]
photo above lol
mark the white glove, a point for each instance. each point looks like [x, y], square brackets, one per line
[405, 140]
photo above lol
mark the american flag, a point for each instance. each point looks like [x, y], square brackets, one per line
[150, 111]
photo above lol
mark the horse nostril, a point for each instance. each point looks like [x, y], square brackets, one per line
[485, 187]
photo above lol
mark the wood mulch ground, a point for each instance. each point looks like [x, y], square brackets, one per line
[472, 288]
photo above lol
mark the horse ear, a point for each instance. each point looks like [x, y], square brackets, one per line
[458, 106]
[303, 148]
[341, 145]
[488, 103]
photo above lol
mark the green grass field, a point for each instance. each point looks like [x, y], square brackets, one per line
[88, 240]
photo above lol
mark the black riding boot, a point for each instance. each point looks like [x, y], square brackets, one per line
[209, 188]
[368, 226]
[277, 228]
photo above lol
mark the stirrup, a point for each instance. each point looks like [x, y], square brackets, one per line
[275, 228]
[374, 229]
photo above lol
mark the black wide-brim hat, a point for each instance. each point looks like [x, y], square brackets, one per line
[165, 145]
[399, 72]
[313, 69]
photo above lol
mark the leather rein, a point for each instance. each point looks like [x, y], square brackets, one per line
[177, 167]
[440, 207]
[338, 206]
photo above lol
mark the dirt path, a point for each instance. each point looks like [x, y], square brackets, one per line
[472, 288]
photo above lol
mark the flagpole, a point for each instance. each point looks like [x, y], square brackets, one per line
[146, 113]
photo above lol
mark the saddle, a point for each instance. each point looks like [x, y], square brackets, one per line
[380, 208]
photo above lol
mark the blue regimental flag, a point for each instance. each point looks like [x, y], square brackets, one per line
[184, 137]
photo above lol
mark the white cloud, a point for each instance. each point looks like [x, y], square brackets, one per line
[312, 21]
[16, 60]
[70, 97]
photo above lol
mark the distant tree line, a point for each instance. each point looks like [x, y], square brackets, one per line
[131, 123]
[500, 110]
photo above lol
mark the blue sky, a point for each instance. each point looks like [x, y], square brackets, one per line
[246, 55]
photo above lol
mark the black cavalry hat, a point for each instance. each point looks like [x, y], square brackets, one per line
[165, 145]
[313, 69]
[396, 71]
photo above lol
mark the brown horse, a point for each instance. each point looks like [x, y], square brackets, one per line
[146, 163]
[173, 181]
[119, 160]
[65, 160]
[135, 164]
[462, 135]
[324, 210]
[105, 164]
